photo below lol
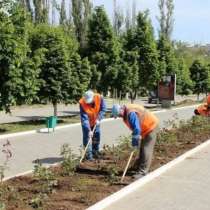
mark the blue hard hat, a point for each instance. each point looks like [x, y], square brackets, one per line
[116, 110]
[88, 96]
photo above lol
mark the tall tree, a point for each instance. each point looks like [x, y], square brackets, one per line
[147, 49]
[184, 82]
[41, 11]
[81, 10]
[19, 73]
[134, 13]
[166, 19]
[167, 58]
[118, 18]
[64, 76]
[63, 17]
[128, 23]
[55, 72]
[128, 75]
[102, 47]
[199, 73]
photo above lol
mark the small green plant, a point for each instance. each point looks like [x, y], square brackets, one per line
[46, 175]
[6, 150]
[2, 206]
[37, 201]
[173, 122]
[112, 174]
[166, 136]
[70, 160]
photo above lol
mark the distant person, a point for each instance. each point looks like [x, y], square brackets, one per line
[92, 110]
[144, 126]
[204, 109]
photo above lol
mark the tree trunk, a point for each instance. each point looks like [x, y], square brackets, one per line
[133, 97]
[55, 107]
[198, 97]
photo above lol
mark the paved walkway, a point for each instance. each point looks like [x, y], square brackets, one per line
[184, 187]
[25, 113]
[46, 147]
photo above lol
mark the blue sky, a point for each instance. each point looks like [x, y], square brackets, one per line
[192, 17]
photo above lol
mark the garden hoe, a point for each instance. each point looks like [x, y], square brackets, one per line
[89, 142]
[127, 165]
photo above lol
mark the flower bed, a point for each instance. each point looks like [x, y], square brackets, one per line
[69, 187]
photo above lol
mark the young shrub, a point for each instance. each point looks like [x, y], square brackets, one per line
[37, 201]
[6, 150]
[112, 174]
[47, 176]
[70, 160]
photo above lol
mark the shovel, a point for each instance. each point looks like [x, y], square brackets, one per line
[89, 141]
[127, 165]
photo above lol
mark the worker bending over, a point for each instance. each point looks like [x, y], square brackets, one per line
[204, 109]
[144, 126]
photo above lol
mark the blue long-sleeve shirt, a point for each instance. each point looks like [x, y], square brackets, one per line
[85, 119]
[134, 122]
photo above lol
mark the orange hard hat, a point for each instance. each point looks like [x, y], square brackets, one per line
[208, 99]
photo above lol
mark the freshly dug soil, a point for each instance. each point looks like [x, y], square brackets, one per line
[93, 181]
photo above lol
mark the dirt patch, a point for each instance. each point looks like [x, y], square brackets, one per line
[93, 181]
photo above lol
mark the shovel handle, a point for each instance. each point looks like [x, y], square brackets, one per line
[85, 150]
[127, 165]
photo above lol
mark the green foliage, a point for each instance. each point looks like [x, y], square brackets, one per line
[81, 11]
[19, 72]
[201, 124]
[148, 56]
[184, 82]
[41, 11]
[199, 73]
[60, 65]
[81, 72]
[6, 151]
[2, 206]
[166, 20]
[37, 201]
[141, 39]
[42, 173]
[128, 74]
[168, 64]
[112, 171]
[166, 136]
[70, 160]
[167, 58]
[47, 176]
[102, 47]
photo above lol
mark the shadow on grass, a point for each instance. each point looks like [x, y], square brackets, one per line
[3, 130]
[33, 122]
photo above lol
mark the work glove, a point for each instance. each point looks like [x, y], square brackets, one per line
[135, 140]
[90, 134]
[98, 122]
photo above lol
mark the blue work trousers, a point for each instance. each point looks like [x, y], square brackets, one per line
[94, 147]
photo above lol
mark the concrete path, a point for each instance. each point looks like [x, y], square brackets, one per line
[46, 147]
[25, 113]
[184, 187]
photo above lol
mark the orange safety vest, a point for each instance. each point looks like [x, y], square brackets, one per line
[92, 112]
[203, 110]
[148, 121]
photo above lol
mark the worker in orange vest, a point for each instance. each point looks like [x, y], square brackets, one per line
[92, 110]
[204, 109]
[144, 126]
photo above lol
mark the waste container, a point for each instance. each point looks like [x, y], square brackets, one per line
[51, 122]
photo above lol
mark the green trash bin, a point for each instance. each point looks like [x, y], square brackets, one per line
[51, 122]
